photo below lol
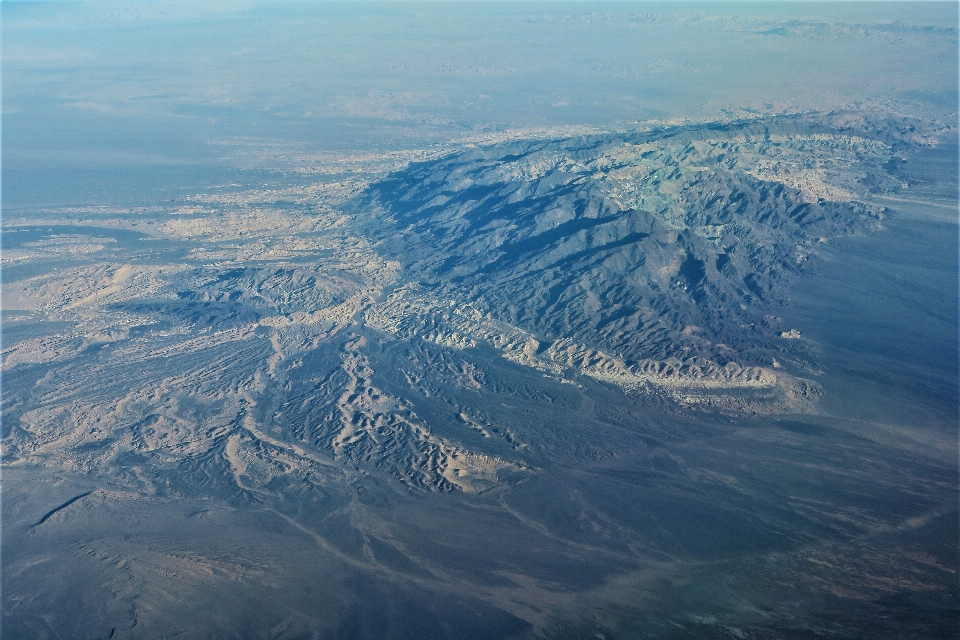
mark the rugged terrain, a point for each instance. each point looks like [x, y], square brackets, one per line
[652, 258]
[514, 388]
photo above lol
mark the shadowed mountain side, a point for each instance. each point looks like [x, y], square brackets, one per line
[663, 244]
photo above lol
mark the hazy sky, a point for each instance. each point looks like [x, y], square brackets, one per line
[140, 85]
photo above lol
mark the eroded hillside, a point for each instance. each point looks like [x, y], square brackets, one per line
[240, 326]
[655, 258]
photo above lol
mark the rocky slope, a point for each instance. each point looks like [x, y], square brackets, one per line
[661, 249]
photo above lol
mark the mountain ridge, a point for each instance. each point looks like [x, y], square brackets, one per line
[674, 245]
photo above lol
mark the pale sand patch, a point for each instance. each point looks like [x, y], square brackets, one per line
[121, 276]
